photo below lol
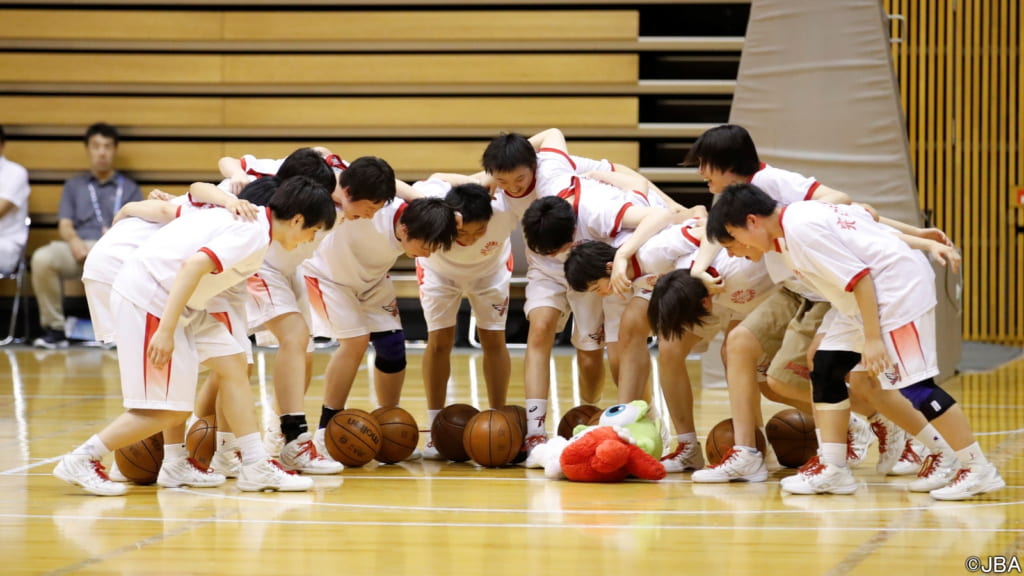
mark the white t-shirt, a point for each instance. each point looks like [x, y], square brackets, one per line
[550, 179]
[784, 186]
[358, 253]
[237, 248]
[13, 233]
[832, 247]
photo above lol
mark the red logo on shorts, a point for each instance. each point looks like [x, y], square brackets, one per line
[893, 376]
[742, 296]
[392, 308]
[501, 308]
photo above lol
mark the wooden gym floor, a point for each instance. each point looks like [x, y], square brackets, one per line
[434, 518]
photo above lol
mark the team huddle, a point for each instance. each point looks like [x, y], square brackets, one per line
[826, 307]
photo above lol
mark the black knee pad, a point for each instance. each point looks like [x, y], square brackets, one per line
[928, 398]
[828, 379]
[390, 349]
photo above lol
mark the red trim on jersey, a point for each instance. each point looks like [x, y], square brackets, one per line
[853, 281]
[637, 271]
[177, 213]
[511, 262]
[778, 245]
[242, 162]
[258, 288]
[902, 338]
[529, 189]
[712, 272]
[316, 297]
[760, 166]
[810, 191]
[563, 153]
[270, 228]
[398, 216]
[420, 273]
[618, 218]
[158, 376]
[782, 214]
[693, 239]
[334, 161]
[644, 196]
[222, 317]
[217, 266]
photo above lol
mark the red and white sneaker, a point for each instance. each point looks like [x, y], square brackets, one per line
[736, 466]
[891, 439]
[911, 459]
[187, 472]
[686, 457]
[858, 440]
[938, 470]
[817, 477]
[270, 475]
[301, 455]
[82, 470]
[970, 482]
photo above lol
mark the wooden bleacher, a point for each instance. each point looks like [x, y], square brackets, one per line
[424, 85]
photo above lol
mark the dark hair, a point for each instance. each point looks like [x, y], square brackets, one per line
[260, 191]
[2, 139]
[548, 224]
[431, 220]
[300, 195]
[732, 207]
[726, 148]
[677, 304]
[507, 152]
[369, 178]
[588, 262]
[473, 201]
[308, 162]
[103, 129]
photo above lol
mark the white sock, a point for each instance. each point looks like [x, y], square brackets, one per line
[226, 441]
[431, 416]
[536, 414]
[690, 437]
[251, 447]
[833, 453]
[94, 447]
[931, 438]
[174, 452]
[971, 456]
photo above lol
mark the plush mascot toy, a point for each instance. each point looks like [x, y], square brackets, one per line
[627, 442]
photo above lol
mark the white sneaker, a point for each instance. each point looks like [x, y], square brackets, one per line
[911, 458]
[270, 475]
[226, 462]
[858, 440]
[414, 456]
[891, 439]
[187, 472]
[736, 466]
[937, 471]
[320, 441]
[273, 442]
[301, 455]
[115, 472]
[970, 482]
[686, 456]
[816, 477]
[81, 470]
[430, 452]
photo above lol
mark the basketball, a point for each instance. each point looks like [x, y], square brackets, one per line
[140, 462]
[581, 414]
[720, 440]
[399, 434]
[448, 428]
[518, 415]
[353, 437]
[492, 438]
[201, 440]
[791, 434]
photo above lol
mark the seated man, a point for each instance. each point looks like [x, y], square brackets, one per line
[14, 192]
[87, 208]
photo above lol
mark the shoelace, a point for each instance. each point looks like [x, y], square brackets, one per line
[930, 464]
[881, 432]
[680, 448]
[812, 463]
[198, 466]
[732, 454]
[961, 475]
[851, 454]
[282, 468]
[909, 455]
[100, 470]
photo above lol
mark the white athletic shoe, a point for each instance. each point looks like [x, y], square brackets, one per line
[938, 470]
[301, 455]
[891, 439]
[858, 440]
[970, 482]
[429, 451]
[187, 472]
[687, 456]
[736, 466]
[816, 477]
[320, 441]
[227, 462]
[115, 472]
[911, 458]
[82, 470]
[270, 475]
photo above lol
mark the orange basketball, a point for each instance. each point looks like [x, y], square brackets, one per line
[447, 430]
[791, 434]
[518, 415]
[353, 437]
[492, 438]
[399, 434]
[576, 416]
[140, 462]
[201, 440]
[720, 440]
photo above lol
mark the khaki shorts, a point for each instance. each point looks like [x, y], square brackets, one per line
[785, 324]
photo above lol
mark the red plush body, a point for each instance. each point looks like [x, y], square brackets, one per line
[602, 456]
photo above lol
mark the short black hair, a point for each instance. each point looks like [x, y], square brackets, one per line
[588, 262]
[260, 191]
[431, 220]
[308, 162]
[726, 148]
[471, 200]
[548, 224]
[732, 207]
[509, 151]
[300, 195]
[677, 304]
[103, 129]
[369, 178]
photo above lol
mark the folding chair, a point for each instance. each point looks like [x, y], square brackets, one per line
[18, 275]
